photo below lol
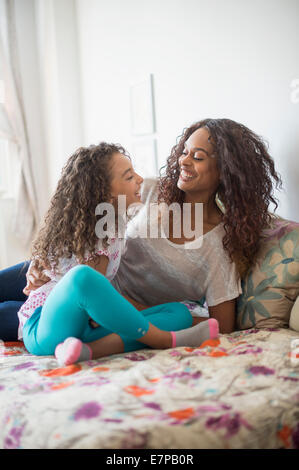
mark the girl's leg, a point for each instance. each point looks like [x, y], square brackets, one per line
[80, 294]
[167, 317]
[84, 293]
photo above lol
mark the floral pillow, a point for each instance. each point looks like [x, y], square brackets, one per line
[271, 287]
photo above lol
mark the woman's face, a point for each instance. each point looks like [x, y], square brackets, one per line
[125, 181]
[198, 166]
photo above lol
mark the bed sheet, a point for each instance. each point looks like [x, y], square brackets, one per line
[240, 391]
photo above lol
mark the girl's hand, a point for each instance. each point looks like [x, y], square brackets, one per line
[34, 279]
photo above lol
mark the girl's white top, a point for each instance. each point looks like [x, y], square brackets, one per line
[38, 297]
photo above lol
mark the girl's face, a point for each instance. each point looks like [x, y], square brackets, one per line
[198, 168]
[125, 181]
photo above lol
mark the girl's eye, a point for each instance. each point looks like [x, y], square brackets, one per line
[197, 158]
[130, 178]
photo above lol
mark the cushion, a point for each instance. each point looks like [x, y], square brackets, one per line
[271, 287]
[294, 318]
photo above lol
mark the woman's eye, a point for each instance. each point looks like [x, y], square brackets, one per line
[130, 178]
[197, 158]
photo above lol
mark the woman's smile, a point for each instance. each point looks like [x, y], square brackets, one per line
[186, 175]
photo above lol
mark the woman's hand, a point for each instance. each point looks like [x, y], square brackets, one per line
[34, 279]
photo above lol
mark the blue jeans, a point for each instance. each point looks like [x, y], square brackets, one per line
[12, 283]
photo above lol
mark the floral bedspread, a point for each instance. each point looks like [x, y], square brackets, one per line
[241, 391]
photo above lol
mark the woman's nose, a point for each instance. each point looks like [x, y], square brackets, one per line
[185, 158]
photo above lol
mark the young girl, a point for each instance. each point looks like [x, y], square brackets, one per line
[60, 316]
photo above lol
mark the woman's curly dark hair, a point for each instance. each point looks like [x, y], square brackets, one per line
[69, 224]
[245, 186]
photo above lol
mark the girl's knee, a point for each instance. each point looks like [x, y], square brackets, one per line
[184, 313]
[81, 275]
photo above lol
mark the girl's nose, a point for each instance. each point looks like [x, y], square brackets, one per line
[140, 179]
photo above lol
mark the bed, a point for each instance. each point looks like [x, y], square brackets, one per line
[239, 391]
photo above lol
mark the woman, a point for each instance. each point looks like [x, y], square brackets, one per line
[214, 160]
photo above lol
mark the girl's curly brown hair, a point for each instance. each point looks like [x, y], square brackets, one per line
[245, 186]
[69, 224]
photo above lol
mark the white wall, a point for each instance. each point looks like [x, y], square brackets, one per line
[232, 58]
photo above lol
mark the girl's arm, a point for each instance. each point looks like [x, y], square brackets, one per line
[225, 313]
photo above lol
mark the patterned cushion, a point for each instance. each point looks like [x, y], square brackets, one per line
[271, 287]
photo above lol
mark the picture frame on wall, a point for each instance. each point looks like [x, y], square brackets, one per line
[142, 107]
[144, 157]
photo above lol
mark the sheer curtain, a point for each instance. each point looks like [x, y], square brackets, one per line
[13, 126]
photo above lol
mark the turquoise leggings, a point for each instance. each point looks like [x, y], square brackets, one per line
[83, 293]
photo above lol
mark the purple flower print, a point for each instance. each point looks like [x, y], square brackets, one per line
[153, 405]
[23, 366]
[139, 357]
[180, 375]
[281, 228]
[261, 370]
[215, 408]
[232, 423]
[12, 441]
[2, 387]
[88, 411]
[246, 349]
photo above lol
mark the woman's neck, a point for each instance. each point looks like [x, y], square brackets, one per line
[211, 212]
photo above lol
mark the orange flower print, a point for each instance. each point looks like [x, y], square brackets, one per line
[13, 344]
[68, 370]
[182, 414]
[61, 385]
[138, 391]
[210, 342]
[100, 369]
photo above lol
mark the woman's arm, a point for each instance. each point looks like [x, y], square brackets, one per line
[225, 313]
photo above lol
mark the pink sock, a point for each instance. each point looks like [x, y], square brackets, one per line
[71, 351]
[196, 335]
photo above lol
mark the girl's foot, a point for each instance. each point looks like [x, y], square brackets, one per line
[197, 334]
[72, 350]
